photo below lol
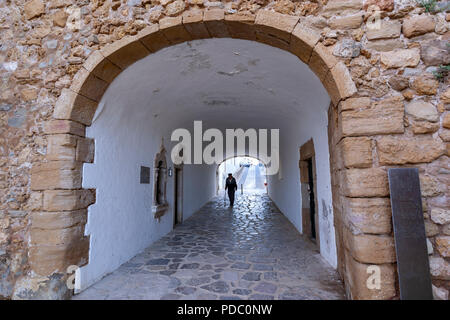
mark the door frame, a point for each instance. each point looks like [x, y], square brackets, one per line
[307, 153]
[177, 206]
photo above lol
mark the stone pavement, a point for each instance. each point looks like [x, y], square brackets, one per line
[249, 252]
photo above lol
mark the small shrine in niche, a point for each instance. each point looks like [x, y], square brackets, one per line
[160, 204]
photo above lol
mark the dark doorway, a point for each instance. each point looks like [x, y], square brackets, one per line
[308, 180]
[312, 203]
[178, 196]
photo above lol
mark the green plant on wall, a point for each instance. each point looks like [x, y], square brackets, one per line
[432, 6]
[442, 72]
[429, 5]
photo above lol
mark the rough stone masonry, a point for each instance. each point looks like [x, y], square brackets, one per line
[395, 112]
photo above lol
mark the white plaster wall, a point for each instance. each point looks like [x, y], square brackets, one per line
[286, 192]
[121, 222]
[198, 187]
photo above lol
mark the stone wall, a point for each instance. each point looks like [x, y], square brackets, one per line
[398, 116]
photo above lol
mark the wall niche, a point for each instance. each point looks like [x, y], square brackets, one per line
[160, 204]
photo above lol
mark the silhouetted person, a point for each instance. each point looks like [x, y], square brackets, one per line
[231, 186]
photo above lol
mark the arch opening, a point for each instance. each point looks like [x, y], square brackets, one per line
[225, 84]
[250, 174]
[77, 107]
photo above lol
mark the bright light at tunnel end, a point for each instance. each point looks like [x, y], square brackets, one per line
[213, 153]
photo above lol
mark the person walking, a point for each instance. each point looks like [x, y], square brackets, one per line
[231, 186]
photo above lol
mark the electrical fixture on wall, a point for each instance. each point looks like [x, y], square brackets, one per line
[169, 172]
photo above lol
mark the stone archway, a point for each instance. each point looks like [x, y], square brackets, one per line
[57, 233]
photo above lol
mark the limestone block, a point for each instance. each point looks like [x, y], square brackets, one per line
[400, 58]
[443, 245]
[193, 23]
[61, 147]
[440, 215]
[355, 103]
[418, 25]
[422, 110]
[56, 175]
[275, 24]
[446, 120]
[87, 84]
[33, 8]
[322, 60]
[125, 51]
[47, 259]
[173, 29]
[66, 200]
[369, 248]
[439, 268]
[368, 215]
[357, 152]
[346, 22]
[72, 106]
[64, 126]
[101, 68]
[303, 40]
[384, 45]
[152, 39]
[344, 83]
[58, 220]
[214, 20]
[382, 117]
[358, 275]
[425, 85]
[383, 5]
[434, 52]
[85, 150]
[429, 186]
[399, 150]
[241, 25]
[388, 29]
[56, 236]
[371, 182]
[431, 229]
[421, 127]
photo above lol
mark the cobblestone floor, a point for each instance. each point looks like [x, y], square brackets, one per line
[249, 252]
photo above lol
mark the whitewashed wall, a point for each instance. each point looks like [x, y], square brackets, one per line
[285, 189]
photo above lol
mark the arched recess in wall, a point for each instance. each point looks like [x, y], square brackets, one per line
[60, 178]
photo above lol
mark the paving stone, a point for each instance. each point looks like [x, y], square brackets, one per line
[158, 262]
[185, 290]
[218, 287]
[266, 287]
[175, 255]
[241, 265]
[244, 292]
[190, 266]
[229, 298]
[198, 281]
[167, 272]
[171, 296]
[270, 276]
[262, 267]
[250, 252]
[258, 296]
